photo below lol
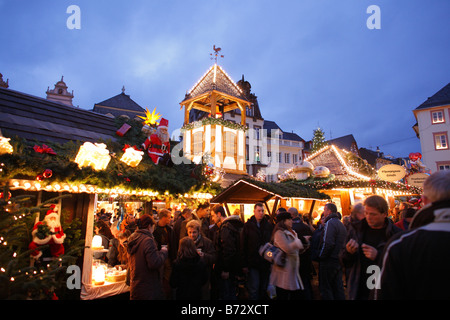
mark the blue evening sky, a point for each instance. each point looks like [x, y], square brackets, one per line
[310, 62]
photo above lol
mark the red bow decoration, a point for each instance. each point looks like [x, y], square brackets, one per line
[43, 149]
[414, 156]
[128, 146]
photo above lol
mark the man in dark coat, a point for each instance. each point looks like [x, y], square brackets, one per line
[416, 263]
[145, 262]
[229, 263]
[256, 232]
[364, 246]
[331, 243]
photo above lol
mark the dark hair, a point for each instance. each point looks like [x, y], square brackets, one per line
[186, 249]
[281, 209]
[185, 210]
[408, 213]
[220, 209]
[258, 204]
[146, 220]
[332, 207]
[203, 205]
[377, 202]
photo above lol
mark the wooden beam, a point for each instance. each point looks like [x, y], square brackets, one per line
[243, 114]
[311, 210]
[213, 100]
[275, 205]
[227, 209]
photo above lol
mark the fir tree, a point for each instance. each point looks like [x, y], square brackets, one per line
[318, 141]
[19, 277]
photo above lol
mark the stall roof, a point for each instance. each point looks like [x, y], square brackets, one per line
[250, 191]
[36, 118]
[243, 192]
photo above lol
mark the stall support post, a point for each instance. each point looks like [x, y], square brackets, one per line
[87, 260]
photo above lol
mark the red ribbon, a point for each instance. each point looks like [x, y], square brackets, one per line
[128, 146]
[44, 149]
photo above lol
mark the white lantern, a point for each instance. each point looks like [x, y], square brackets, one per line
[5, 146]
[97, 242]
[98, 274]
[93, 154]
[132, 157]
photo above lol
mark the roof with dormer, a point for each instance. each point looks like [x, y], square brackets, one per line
[440, 98]
[118, 105]
[215, 79]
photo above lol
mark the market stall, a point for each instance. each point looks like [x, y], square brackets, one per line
[345, 178]
[245, 192]
[98, 175]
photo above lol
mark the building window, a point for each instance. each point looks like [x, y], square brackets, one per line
[197, 143]
[257, 155]
[287, 158]
[294, 158]
[279, 157]
[437, 116]
[443, 165]
[440, 141]
[257, 132]
[230, 144]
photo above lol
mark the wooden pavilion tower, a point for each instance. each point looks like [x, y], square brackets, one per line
[224, 141]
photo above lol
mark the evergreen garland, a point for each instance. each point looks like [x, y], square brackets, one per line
[26, 163]
[211, 121]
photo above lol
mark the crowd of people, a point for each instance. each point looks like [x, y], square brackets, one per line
[374, 253]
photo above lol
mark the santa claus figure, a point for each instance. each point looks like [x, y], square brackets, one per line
[48, 232]
[157, 144]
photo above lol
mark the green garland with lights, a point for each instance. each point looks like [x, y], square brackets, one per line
[332, 183]
[26, 163]
[212, 121]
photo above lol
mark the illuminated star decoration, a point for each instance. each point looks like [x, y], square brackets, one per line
[151, 118]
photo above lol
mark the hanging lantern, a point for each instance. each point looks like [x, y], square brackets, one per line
[132, 157]
[93, 154]
[5, 146]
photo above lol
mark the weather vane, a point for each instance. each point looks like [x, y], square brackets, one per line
[216, 53]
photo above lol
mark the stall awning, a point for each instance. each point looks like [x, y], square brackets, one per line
[249, 191]
[243, 191]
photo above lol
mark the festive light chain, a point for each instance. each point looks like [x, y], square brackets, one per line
[212, 121]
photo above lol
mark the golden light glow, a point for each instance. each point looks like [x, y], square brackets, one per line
[98, 274]
[132, 157]
[150, 117]
[5, 146]
[93, 154]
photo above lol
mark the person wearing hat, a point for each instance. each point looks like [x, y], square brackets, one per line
[286, 279]
[157, 144]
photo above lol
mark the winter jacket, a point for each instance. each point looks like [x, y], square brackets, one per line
[165, 236]
[352, 262]
[287, 277]
[333, 238]
[253, 237]
[187, 277]
[416, 262]
[228, 245]
[302, 229]
[209, 252]
[145, 262]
